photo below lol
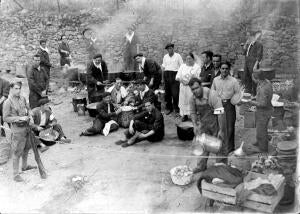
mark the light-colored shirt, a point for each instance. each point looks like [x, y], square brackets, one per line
[172, 63]
[210, 97]
[226, 88]
[98, 66]
[129, 36]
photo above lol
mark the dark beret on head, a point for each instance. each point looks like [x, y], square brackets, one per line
[105, 94]
[169, 45]
[97, 56]
[138, 55]
[43, 40]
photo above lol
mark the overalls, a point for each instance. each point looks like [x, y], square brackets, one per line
[209, 125]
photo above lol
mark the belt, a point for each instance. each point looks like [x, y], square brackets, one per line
[225, 100]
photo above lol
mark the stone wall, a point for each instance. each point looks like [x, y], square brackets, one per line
[189, 30]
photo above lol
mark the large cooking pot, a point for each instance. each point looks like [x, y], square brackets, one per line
[92, 109]
[209, 143]
[48, 136]
[185, 130]
[78, 100]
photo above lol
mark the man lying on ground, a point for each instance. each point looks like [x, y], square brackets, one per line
[148, 125]
[106, 119]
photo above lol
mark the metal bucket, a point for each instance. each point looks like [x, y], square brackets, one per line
[78, 100]
[209, 143]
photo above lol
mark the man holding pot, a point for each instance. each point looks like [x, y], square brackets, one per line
[207, 114]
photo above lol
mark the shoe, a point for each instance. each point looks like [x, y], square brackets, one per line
[167, 112]
[18, 178]
[124, 145]
[43, 149]
[184, 118]
[65, 140]
[120, 142]
[29, 168]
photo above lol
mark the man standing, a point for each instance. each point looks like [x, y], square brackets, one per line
[15, 113]
[253, 51]
[37, 82]
[171, 63]
[264, 109]
[207, 116]
[207, 68]
[106, 113]
[45, 60]
[97, 72]
[148, 125]
[217, 58]
[131, 49]
[4, 91]
[227, 87]
[64, 52]
[152, 71]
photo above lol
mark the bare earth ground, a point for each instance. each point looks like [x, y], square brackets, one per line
[135, 179]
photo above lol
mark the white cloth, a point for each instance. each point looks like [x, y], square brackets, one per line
[43, 119]
[129, 36]
[141, 65]
[142, 93]
[184, 74]
[106, 128]
[97, 66]
[45, 49]
[172, 63]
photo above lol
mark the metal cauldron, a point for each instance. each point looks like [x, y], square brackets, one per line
[185, 130]
[92, 109]
[78, 100]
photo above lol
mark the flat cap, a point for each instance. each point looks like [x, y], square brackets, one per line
[169, 45]
[138, 55]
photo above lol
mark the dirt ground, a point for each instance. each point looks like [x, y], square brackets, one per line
[131, 180]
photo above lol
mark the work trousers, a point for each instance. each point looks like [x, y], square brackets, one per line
[230, 117]
[97, 127]
[143, 128]
[171, 90]
[250, 86]
[262, 118]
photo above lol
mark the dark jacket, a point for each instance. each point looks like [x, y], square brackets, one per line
[213, 75]
[94, 75]
[64, 57]
[103, 115]
[148, 95]
[155, 121]
[206, 73]
[255, 53]
[44, 60]
[152, 70]
[4, 88]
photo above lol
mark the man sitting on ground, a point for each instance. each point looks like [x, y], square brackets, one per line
[106, 118]
[148, 125]
[118, 92]
[43, 118]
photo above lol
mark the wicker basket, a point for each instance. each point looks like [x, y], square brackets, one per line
[4, 151]
[183, 180]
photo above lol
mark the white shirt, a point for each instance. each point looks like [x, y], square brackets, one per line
[129, 37]
[172, 63]
[142, 93]
[122, 90]
[141, 66]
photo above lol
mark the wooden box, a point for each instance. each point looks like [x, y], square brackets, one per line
[254, 201]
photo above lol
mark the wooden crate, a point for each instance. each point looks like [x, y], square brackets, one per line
[255, 201]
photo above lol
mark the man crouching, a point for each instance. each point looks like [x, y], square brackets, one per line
[16, 114]
[148, 125]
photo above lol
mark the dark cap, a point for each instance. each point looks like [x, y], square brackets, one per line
[105, 94]
[42, 40]
[138, 55]
[169, 45]
[97, 56]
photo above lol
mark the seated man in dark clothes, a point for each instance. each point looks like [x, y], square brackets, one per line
[43, 118]
[148, 125]
[106, 113]
[145, 93]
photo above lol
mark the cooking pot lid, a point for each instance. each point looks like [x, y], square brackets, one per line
[185, 125]
[92, 106]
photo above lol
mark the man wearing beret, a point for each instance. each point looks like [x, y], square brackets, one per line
[171, 63]
[151, 69]
[97, 73]
[106, 114]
